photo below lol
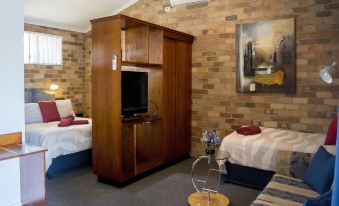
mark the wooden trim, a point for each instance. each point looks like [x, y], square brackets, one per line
[12, 138]
[185, 37]
[12, 151]
[176, 36]
[139, 64]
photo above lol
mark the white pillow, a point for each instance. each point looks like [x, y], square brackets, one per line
[64, 107]
[32, 113]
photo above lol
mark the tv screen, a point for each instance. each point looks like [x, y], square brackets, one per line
[134, 93]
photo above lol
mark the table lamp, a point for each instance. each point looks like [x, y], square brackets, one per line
[327, 72]
[54, 87]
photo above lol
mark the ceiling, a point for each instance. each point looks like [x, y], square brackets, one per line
[71, 15]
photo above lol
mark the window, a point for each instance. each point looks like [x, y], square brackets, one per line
[42, 49]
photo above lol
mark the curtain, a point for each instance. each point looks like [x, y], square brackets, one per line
[42, 49]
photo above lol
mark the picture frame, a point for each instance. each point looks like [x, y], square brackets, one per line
[266, 56]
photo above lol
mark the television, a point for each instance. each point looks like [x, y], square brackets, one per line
[134, 93]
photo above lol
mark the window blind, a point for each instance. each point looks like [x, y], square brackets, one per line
[42, 48]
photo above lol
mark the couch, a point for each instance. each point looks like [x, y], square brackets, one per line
[287, 187]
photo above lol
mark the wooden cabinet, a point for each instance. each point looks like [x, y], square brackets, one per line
[177, 75]
[124, 150]
[31, 165]
[169, 145]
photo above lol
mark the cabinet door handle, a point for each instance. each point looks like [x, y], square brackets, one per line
[114, 62]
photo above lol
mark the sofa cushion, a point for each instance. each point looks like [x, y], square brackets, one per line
[283, 190]
[293, 164]
[322, 200]
[319, 174]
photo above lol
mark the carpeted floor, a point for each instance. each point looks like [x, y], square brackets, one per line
[169, 187]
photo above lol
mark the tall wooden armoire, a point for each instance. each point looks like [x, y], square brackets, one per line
[124, 150]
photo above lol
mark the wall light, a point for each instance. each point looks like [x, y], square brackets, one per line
[327, 73]
[54, 87]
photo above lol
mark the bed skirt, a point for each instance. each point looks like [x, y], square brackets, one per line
[247, 176]
[66, 163]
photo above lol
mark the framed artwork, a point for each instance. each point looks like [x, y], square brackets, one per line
[266, 56]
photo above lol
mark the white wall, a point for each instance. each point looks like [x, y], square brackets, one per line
[11, 92]
[10, 182]
[11, 66]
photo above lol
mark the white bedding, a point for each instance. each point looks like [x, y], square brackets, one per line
[260, 150]
[59, 140]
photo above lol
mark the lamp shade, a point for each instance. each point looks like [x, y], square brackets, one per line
[54, 87]
[326, 73]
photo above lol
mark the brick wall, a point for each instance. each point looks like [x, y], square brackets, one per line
[70, 76]
[215, 103]
[88, 76]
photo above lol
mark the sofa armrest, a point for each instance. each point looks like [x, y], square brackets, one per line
[293, 164]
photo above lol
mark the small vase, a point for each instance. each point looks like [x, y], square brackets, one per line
[209, 151]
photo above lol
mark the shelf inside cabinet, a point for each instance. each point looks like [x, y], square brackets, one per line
[140, 64]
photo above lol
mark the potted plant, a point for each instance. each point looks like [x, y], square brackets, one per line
[211, 140]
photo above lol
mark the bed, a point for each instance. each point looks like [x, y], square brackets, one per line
[252, 159]
[61, 141]
[68, 147]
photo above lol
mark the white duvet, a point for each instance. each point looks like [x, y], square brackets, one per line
[59, 140]
[260, 150]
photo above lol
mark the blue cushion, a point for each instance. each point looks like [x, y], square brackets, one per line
[320, 172]
[324, 199]
[42, 96]
[29, 96]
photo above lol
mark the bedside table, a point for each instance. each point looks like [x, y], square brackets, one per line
[81, 114]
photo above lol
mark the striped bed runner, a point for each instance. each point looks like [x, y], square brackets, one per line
[283, 190]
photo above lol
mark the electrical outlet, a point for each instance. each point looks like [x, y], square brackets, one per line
[167, 9]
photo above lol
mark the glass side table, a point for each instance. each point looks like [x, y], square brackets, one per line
[206, 195]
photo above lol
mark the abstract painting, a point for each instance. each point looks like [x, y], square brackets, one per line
[266, 59]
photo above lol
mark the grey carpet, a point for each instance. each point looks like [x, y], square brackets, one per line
[169, 187]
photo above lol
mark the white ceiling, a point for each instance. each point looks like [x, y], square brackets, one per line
[71, 15]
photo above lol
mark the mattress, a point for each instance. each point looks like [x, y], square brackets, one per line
[59, 140]
[260, 150]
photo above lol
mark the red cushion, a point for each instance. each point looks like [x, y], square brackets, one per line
[331, 137]
[250, 130]
[65, 122]
[49, 111]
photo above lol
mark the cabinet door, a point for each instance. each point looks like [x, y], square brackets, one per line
[137, 44]
[169, 145]
[128, 150]
[183, 97]
[148, 139]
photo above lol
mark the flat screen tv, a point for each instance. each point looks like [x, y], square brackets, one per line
[134, 93]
